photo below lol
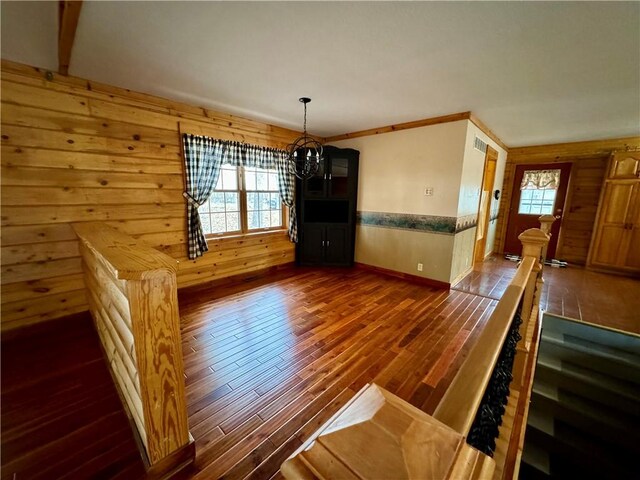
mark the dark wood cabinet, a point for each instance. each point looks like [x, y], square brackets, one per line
[326, 205]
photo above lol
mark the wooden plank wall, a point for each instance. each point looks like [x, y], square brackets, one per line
[589, 161]
[133, 298]
[74, 151]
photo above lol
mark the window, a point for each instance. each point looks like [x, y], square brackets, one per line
[537, 202]
[244, 200]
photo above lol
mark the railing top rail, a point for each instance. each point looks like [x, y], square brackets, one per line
[461, 401]
[128, 258]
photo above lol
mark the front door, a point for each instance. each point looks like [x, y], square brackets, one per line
[540, 196]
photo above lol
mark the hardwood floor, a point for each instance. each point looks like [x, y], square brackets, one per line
[269, 363]
[574, 292]
[61, 415]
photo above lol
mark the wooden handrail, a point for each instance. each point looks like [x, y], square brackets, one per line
[460, 402]
[132, 293]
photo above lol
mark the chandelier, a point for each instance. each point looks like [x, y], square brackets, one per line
[305, 153]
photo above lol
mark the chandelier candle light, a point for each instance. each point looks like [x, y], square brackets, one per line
[305, 153]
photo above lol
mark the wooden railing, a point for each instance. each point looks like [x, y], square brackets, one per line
[377, 428]
[132, 296]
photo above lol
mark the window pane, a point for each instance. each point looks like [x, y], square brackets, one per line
[216, 202]
[232, 201]
[273, 181]
[206, 223]
[233, 222]
[262, 180]
[250, 178]
[275, 201]
[253, 220]
[229, 179]
[265, 219]
[276, 218]
[252, 201]
[217, 223]
[265, 202]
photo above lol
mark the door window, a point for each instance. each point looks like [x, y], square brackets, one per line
[538, 192]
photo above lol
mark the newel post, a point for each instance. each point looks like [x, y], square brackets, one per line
[545, 225]
[534, 243]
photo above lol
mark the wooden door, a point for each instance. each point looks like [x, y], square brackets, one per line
[632, 248]
[522, 218]
[618, 226]
[484, 209]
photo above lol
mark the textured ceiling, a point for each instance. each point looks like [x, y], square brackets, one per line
[534, 72]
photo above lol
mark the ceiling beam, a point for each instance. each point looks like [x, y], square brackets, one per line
[69, 12]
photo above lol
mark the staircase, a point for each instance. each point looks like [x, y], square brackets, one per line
[584, 418]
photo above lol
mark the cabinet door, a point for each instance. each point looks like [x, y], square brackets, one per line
[613, 222]
[312, 245]
[625, 165]
[316, 186]
[339, 176]
[337, 245]
[632, 247]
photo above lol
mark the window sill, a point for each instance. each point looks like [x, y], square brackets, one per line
[231, 236]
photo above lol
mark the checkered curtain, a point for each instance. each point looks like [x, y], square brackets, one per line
[203, 157]
[286, 185]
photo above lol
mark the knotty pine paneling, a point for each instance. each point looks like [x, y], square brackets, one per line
[589, 160]
[75, 151]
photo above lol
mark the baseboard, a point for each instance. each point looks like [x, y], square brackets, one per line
[177, 465]
[459, 278]
[404, 276]
[238, 278]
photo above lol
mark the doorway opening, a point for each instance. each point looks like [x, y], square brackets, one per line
[484, 207]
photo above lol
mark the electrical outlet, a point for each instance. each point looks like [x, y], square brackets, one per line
[428, 191]
[419, 267]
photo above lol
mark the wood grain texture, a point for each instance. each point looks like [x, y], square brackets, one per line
[589, 160]
[79, 151]
[460, 403]
[61, 416]
[455, 117]
[132, 292]
[378, 435]
[270, 360]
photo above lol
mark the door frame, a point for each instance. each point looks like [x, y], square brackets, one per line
[490, 157]
[557, 226]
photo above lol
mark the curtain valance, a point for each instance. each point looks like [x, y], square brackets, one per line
[204, 157]
[540, 180]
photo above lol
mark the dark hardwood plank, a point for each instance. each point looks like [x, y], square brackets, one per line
[61, 415]
[269, 363]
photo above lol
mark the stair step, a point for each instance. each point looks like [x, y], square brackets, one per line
[583, 414]
[537, 457]
[623, 342]
[587, 455]
[597, 360]
[613, 393]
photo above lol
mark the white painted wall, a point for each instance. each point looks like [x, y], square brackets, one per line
[395, 168]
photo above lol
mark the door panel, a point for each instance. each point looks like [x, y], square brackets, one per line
[336, 252]
[312, 244]
[609, 245]
[519, 222]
